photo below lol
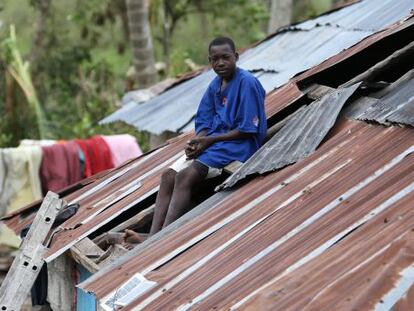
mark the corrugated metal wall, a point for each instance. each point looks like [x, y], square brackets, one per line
[85, 301]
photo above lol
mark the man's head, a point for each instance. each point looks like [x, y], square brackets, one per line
[223, 57]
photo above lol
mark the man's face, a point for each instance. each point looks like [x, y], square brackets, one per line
[223, 60]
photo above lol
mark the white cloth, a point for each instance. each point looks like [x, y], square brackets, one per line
[183, 163]
[32, 142]
[22, 184]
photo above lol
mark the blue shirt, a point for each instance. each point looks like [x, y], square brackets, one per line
[239, 106]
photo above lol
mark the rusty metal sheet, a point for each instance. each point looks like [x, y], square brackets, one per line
[396, 107]
[363, 272]
[301, 135]
[147, 171]
[264, 228]
[93, 197]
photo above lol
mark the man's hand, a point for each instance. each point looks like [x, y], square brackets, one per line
[196, 146]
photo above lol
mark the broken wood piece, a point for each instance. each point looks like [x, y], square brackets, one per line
[232, 167]
[60, 289]
[83, 260]
[88, 248]
[27, 264]
[86, 252]
[114, 252]
[108, 238]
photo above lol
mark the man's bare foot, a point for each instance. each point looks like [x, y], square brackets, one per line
[131, 239]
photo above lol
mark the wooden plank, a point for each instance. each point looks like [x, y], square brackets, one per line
[28, 263]
[88, 248]
[108, 238]
[24, 272]
[116, 251]
[82, 259]
[61, 289]
[232, 167]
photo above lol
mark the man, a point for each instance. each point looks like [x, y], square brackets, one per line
[230, 125]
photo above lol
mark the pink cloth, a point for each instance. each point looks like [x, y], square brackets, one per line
[123, 148]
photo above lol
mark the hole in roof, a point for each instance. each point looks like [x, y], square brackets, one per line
[358, 63]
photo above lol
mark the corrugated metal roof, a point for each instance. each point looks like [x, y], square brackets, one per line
[240, 245]
[395, 107]
[274, 225]
[108, 197]
[366, 15]
[301, 135]
[273, 61]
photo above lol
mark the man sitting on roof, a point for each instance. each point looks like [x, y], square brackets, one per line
[230, 125]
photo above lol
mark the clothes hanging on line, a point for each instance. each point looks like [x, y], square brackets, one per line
[21, 183]
[60, 166]
[123, 148]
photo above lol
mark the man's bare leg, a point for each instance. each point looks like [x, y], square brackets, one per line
[185, 181]
[163, 200]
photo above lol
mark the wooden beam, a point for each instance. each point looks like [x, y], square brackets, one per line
[60, 289]
[232, 167]
[27, 264]
[114, 252]
[86, 252]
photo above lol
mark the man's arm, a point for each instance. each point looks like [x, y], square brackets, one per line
[200, 143]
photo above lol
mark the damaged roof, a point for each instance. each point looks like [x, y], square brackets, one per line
[332, 231]
[276, 224]
[312, 235]
[274, 61]
[301, 135]
[396, 107]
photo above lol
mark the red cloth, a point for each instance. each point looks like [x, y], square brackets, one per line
[97, 155]
[60, 166]
[85, 150]
[72, 156]
[102, 158]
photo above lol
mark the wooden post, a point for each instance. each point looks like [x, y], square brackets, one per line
[27, 264]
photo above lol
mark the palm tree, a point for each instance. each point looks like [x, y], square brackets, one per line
[141, 41]
[280, 14]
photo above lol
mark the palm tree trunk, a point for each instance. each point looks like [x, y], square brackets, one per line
[280, 14]
[140, 36]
